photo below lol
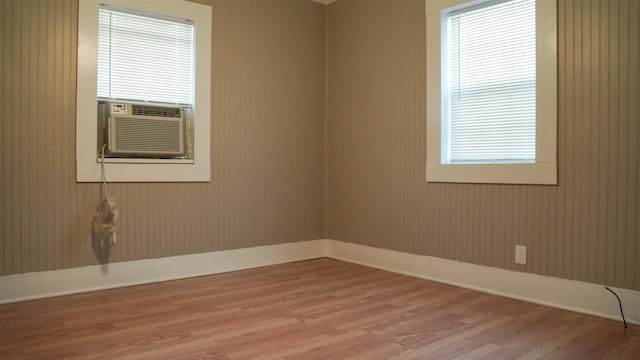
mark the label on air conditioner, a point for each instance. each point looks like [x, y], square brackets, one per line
[119, 109]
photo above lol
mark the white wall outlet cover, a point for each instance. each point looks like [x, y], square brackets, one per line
[521, 254]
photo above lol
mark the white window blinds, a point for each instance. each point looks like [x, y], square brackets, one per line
[490, 115]
[144, 57]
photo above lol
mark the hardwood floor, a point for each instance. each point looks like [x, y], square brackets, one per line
[317, 309]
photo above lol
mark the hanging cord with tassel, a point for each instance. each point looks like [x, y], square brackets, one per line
[105, 220]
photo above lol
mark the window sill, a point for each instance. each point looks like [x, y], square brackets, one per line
[539, 173]
[170, 171]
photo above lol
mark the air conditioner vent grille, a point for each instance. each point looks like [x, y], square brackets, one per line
[148, 110]
[135, 135]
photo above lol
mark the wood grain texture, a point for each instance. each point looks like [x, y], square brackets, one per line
[266, 142]
[586, 228]
[317, 309]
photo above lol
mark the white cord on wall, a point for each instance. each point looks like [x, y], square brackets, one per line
[102, 173]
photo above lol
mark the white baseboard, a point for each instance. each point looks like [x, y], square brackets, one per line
[560, 293]
[35, 285]
[571, 295]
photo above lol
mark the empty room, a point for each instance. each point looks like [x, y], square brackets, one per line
[320, 179]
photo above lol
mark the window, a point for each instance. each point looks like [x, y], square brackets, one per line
[144, 57]
[491, 91]
[150, 51]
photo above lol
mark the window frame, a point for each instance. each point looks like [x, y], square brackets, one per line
[544, 170]
[142, 170]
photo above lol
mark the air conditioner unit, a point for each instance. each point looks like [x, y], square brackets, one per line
[144, 130]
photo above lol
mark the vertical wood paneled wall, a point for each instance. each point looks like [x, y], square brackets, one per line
[267, 142]
[586, 228]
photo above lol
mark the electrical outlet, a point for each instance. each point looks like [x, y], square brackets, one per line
[521, 254]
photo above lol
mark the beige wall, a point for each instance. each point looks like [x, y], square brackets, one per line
[587, 228]
[268, 144]
[267, 141]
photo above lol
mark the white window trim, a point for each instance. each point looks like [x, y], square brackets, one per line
[87, 163]
[544, 171]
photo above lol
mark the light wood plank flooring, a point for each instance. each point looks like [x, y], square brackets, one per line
[317, 309]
